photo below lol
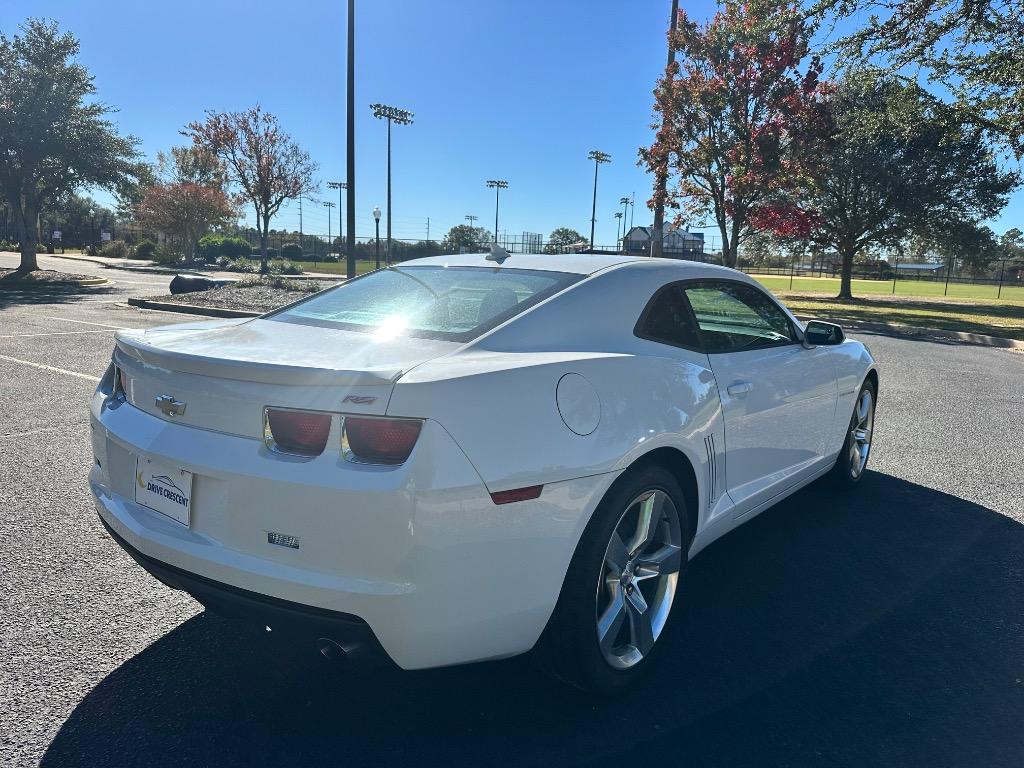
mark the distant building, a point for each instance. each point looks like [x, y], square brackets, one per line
[675, 243]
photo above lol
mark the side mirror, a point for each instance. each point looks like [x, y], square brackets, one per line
[818, 333]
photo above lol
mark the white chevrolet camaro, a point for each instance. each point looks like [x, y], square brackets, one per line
[467, 457]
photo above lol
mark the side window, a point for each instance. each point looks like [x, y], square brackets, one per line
[734, 317]
[668, 320]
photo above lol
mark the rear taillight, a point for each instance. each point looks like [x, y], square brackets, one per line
[302, 433]
[120, 391]
[379, 440]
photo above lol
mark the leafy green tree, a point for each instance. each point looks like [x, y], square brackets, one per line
[563, 238]
[900, 164]
[52, 141]
[463, 237]
[972, 48]
[79, 219]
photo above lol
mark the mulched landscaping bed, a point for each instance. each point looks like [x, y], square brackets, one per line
[246, 296]
[12, 277]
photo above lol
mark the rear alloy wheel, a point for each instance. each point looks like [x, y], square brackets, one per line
[638, 583]
[853, 458]
[616, 605]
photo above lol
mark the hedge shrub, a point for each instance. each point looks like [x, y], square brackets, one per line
[291, 251]
[212, 246]
[144, 249]
[115, 249]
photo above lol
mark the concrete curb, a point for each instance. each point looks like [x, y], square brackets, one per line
[190, 309]
[916, 331]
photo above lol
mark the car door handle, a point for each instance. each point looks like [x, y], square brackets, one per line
[739, 388]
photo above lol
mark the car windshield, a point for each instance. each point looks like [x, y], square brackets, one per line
[439, 302]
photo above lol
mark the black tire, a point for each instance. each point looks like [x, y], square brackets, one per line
[569, 648]
[843, 472]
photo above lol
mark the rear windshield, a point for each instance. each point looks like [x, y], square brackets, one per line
[437, 302]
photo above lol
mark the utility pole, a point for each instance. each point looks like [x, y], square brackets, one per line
[402, 117]
[338, 185]
[428, 229]
[301, 246]
[471, 219]
[598, 157]
[497, 185]
[661, 178]
[328, 206]
[350, 265]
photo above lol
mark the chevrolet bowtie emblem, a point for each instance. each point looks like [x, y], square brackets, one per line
[170, 406]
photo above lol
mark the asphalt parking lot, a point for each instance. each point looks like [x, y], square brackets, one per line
[883, 628]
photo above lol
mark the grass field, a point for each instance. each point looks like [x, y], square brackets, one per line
[339, 268]
[1013, 294]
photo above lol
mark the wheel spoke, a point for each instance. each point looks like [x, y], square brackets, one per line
[617, 555]
[610, 623]
[648, 521]
[640, 630]
[665, 560]
[863, 409]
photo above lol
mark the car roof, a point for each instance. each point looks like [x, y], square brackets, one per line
[575, 263]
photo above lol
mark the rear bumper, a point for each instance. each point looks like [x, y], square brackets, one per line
[418, 554]
[283, 616]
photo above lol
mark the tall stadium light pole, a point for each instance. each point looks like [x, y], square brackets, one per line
[471, 219]
[402, 117]
[624, 201]
[350, 123]
[598, 157]
[661, 178]
[340, 186]
[619, 219]
[328, 206]
[497, 185]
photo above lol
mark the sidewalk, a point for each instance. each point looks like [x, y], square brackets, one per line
[150, 267]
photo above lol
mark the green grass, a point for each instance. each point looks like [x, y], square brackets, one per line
[339, 268]
[990, 318]
[1013, 294]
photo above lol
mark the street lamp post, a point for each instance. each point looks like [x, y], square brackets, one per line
[328, 206]
[497, 185]
[598, 157]
[376, 221]
[340, 186]
[402, 117]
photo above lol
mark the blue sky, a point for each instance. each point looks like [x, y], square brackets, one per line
[516, 90]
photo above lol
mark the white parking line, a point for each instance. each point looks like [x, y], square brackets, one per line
[83, 322]
[76, 374]
[52, 333]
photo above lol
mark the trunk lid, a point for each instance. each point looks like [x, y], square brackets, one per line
[226, 371]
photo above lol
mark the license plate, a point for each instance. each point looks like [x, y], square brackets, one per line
[164, 489]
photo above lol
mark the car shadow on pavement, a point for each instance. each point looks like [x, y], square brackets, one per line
[883, 627]
[52, 293]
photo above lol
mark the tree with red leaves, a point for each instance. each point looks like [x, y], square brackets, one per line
[188, 199]
[742, 110]
[261, 159]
